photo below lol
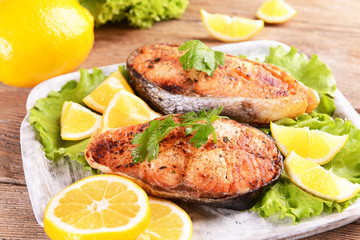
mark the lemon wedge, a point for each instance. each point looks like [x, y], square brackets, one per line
[101, 96]
[313, 145]
[312, 178]
[230, 29]
[275, 11]
[98, 207]
[77, 122]
[126, 109]
[168, 221]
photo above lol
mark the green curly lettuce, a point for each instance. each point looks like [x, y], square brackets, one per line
[285, 199]
[312, 72]
[138, 13]
[45, 117]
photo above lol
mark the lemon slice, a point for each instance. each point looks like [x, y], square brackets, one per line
[77, 122]
[314, 145]
[168, 221]
[230, 29]
[101, 96]
[127, 109]
[98, 207]
[314, 179]
[275, 11]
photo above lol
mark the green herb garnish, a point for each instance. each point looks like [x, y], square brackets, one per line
[200, 57]
[148, 141]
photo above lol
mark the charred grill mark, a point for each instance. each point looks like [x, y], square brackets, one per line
[253, 184]
[270, 84]
[151, 63]
[142, 128]
[269, 79]
[189, 81]
[98, 156]
[123, 165]
[210, 145]
[241, 73]
[173, 88]
[87, 154]
[276, 75]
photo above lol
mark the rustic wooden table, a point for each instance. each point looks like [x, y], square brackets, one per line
[328, 28]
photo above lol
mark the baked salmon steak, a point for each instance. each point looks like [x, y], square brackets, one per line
[232, 173]
[250, 91]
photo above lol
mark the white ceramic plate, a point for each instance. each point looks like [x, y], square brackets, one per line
[45, 178]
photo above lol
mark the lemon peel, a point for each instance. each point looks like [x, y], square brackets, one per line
[98, 207]
[101, 96]
[168, 221]
[314, 145]
[230, 29]
[275, 11]
[312, 178]
[126, 109]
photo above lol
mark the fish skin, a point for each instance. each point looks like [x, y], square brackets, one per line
[250, 91]
[231, 173]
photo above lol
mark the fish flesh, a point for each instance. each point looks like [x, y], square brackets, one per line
[232, 173]
[250, 91]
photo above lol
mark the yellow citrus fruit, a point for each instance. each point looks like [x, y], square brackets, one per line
[230, 29]
[78, 122]
[314, 145]
[275, 11]
[101, 96]
[127, 109]
[312, 178]
[40, 39]
[168, 221]
[98, 207]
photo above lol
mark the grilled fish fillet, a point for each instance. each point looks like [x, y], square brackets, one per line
[250, 91]
[231, 173]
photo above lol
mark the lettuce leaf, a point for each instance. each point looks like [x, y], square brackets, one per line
[45, 116]
[138, 13]
[313, 73]
[285, 199]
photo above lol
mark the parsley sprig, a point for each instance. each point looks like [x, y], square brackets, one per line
[200, 57]
[200, 123]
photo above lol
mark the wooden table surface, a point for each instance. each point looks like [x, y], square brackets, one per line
[328, 28]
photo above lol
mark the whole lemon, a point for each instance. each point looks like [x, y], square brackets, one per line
[40, 39]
